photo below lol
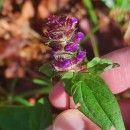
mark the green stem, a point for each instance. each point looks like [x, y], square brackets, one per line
[44, 90]
[46, 78]
[2, 91]
[94, 30]
[94, 45]
[90, 10]
[12, 87]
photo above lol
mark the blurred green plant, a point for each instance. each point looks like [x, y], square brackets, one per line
[89, 6]
[1, 4]
[122, 5]
[37, 117]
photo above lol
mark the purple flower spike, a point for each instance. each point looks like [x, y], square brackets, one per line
[72, 47]
[64, 42]
[79, 36]
[66, 63]
[80, 56]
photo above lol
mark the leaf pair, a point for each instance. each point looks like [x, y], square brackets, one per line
[95, 98]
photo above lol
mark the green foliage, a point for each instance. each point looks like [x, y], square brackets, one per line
[37, 117]
[47, 70]
[39, 82]
[21, 100]
[44, 90]
[92, 32]
[1, 4]
[97, 101]
[98, 66]
[123, 5]
[90, 10]
[109, 3]
[41, 116]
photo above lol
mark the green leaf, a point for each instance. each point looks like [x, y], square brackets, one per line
[14, 118]
[98, 66]
[97, 101]
[40, 118]
[37, 117]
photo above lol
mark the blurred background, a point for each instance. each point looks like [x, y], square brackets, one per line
[22, 46]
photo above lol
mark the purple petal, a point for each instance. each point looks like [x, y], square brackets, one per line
[79, 36]
[71, 47]
[62, 66]
[80, 56]
[66, 63]
[74, 22]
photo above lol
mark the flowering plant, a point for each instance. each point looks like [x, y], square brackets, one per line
[81, 78]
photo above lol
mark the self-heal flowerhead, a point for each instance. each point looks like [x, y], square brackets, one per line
[64, 41]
